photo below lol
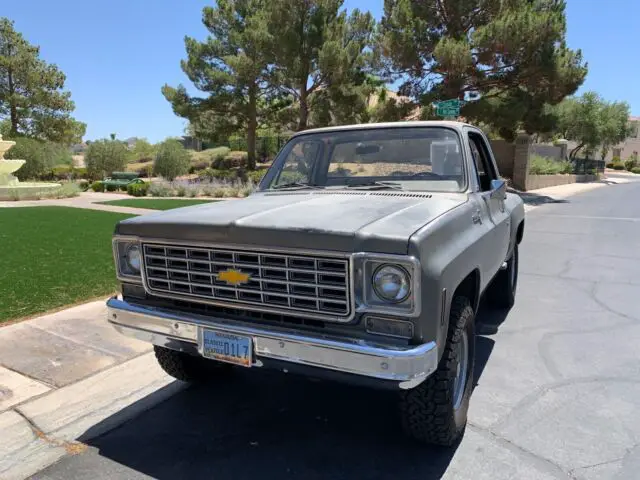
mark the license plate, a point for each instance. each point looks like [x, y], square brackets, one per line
[227, 347]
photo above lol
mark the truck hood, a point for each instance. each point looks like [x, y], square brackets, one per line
[319, 220]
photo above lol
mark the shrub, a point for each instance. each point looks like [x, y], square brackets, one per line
[616, 159]
[105, 156]
[540, 165]
[142, 151]
[256, 176]
[138, 189]
[160, 190]
[66, 190]
[631, 163]
[209, 155]
[246, 190]
[218, 192]
[618, 166]
[222, 163]
[237, 159]
[63, 172]
[609, 165]
[97, 186]
[635, 170]
[215, 174]
[181, 190]
[112, 188]
[83, 185]
[172, 160]
[195, 167]
[58, 154]
[33, 151]
[80, 172]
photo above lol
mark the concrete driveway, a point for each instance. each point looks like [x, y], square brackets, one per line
[557, 396]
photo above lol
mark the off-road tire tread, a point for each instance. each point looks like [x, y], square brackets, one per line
[427, 410]
[188, 368]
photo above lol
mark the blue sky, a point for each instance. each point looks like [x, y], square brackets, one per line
[117, 54]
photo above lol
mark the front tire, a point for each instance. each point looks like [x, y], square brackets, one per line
[189, 368]
[436, 410]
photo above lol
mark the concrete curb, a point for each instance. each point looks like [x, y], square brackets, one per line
[39, 432]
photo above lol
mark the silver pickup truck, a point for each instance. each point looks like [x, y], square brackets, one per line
[362, 257]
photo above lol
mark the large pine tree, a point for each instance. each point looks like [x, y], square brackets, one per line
[230, 67]
[321, 59]
[511, 54]
[33, 101]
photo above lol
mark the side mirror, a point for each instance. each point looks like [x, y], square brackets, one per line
[498, 189]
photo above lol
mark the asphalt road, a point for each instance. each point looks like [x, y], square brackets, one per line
[557, 396]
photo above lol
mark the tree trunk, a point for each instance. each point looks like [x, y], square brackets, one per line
[575, 151]
[252, 126]
[304, 108]
[13, 111]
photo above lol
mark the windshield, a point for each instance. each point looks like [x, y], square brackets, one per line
[404, 158]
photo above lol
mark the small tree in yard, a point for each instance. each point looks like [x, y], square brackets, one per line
[104, 157]
[33, 151]
[142, 151]
[592, 122]
[172, 160]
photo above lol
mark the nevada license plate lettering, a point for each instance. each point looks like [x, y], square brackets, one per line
[227, 347]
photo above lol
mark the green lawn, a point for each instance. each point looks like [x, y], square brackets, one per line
[54, 256]
[156, 203]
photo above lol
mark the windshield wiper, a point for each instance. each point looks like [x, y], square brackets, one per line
[299, 185]
[375, 185]
[425, 174]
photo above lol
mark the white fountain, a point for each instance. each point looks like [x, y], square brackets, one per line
[10, 187]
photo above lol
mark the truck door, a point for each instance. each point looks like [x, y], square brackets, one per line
[491, 203]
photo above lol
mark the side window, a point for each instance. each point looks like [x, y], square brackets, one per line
[299, 163]
[481, 157]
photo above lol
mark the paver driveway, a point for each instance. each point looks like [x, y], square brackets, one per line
[557, 396]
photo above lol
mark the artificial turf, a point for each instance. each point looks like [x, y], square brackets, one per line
[155, 203]
[54, 256]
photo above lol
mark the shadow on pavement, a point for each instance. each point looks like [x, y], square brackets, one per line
[531, 198]
[271, 425]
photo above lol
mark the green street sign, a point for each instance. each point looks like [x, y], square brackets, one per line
[453, 103]
[448, 108]
[447, 111]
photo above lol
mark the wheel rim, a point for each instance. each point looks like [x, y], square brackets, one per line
[460, 383]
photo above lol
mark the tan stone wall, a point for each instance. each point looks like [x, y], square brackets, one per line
[503, 152]
[542, 181]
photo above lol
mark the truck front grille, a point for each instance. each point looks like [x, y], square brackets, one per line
[269, 281]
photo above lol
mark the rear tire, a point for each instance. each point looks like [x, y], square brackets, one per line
[502, 291]
[436, 410]
[189, 368]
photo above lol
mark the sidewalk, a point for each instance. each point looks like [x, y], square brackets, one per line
[535, 198]
[84, 200]
[68, 377]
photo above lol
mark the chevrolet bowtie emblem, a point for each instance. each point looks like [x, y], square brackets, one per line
[234, 277]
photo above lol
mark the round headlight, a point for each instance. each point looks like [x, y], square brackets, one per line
[391, 283]
[133, 258]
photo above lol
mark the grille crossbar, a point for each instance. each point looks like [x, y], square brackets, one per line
[285, 282]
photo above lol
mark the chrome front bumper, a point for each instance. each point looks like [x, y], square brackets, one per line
[409, 367]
